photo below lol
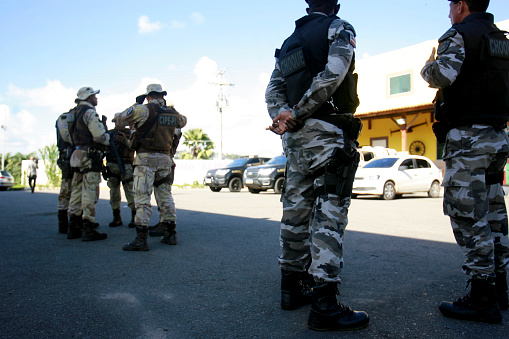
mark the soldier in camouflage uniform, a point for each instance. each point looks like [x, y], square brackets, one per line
[64, 145]
[160, 228]
[316, 126]
[89, 137]
[155, 125]
[120, 173]
[472, 115]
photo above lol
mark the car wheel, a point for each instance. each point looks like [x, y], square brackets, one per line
[235, 185]
[434, 191]
[254, 190]
[278, 185]
[215, 189]
[389, 191]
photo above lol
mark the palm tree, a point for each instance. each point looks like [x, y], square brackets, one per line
[50, 156]
[199, 144]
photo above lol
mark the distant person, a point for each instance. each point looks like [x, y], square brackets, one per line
[119, 163]
[472, 109]
[311, 98]
[89, 137]
[155, 124]
[65, 149]
[32, 173]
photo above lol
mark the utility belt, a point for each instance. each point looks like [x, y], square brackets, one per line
[95, 155]
[350, 125]
[441, 128]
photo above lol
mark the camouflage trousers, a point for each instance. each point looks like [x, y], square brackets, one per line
[313, 222]
[476, 207]
[151, 173]
[84, 195]
[114, 183]
[65, 194]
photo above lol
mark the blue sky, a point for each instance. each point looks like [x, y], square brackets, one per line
[51, 48]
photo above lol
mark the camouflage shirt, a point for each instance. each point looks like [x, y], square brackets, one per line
[341, 52]
[137, 115]
[450, 56]
[63, 128]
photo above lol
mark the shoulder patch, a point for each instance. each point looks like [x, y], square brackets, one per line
[443, 46]
[349, 27]
[449, 34]
[129, 111]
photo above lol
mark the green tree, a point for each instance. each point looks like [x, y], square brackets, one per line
[199, 144]
[49, 155]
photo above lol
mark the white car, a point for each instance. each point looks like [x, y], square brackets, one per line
[394, 175]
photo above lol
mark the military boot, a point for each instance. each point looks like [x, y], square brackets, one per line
[295, 289]
[480, 304]
[89, 232]
[327, 314]
[132, 224]
[117, 219]
[63, 222]
[170, 236]
[501, 289]
[158, 230]
[75, 224]
[140, 242]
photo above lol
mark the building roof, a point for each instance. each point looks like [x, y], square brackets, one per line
[394, 112]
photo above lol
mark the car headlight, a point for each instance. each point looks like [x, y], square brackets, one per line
[222, 171]
[265, 171]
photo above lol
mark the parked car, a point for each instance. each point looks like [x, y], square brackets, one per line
[271, 175]
[231, 175]
[394, 175]
[6, 180]
[368, 153]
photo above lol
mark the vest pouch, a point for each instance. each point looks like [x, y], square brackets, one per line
[345, 98]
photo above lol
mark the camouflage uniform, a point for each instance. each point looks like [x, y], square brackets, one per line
[476, 208]
[150, 167]
[65, 185]
[116, 177]
[85, 186]
[313, 223]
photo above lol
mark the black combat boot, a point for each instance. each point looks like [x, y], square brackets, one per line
[63, 222]
[132, 224]
[170, 235]
[140, 242]
[75, 225]
[501, 289]
[89, 232]
[117, 219]
[295, 289]
[480, 304]
[327, 314]
[158, 230]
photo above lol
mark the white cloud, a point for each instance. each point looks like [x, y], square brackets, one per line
[197, 18]
[32, 112]
[177, 24]
[145, 26]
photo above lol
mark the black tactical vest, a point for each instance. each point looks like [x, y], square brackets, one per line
[78, 130]
[156, 134]
[304, 54]
[480, 93]
[124, 152]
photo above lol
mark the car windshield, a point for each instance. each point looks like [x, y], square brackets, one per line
[238, 162]
[381, 163]
[280, 160]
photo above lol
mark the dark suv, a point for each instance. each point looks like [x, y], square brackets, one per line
[271, 175]
[231, 175]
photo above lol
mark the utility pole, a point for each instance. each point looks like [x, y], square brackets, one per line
[4, 127]
[221, 103]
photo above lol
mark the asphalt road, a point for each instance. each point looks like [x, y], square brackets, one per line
[222, 279]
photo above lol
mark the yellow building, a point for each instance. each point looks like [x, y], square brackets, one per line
[396, 103]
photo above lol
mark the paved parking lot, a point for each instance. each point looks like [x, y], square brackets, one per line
[222, 279]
